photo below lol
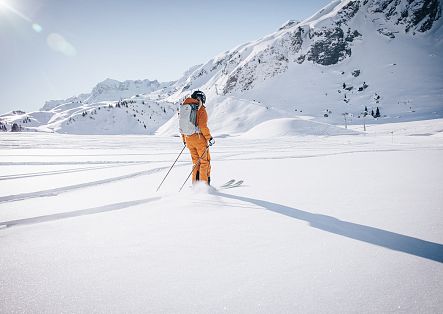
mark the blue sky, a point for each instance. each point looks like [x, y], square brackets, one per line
[54, 49]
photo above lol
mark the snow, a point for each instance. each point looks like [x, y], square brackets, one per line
[228, 116]
[294, 126]
[322, 224]
[328, 11]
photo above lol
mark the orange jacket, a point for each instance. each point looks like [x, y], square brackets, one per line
[202, 119]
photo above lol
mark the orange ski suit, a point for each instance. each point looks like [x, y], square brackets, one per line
[197, 144]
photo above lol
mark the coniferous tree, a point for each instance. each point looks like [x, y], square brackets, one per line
[15, 128]
[377, 113]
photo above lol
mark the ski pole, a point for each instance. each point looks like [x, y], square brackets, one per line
[171, 168]
[196, 164]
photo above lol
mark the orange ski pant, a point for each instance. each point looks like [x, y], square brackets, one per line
[197, 144]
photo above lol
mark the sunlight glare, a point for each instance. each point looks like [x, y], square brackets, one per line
[4, 6]
[58, 43]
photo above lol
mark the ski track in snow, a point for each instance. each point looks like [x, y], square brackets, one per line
[55, 172]
[43, 163]
[57, 191]
[227, 154]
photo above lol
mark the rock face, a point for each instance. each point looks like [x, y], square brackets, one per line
[331, 46]
[418, 15]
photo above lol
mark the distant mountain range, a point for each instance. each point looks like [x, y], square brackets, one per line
[347, 57]
[112, 107]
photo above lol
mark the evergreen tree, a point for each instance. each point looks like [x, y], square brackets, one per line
[377, 113]
[15, 128]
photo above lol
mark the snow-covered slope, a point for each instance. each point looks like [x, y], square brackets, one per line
[294, 127]
[349, 56]
[136, 115]
[133, 116]
[110, 90]
[112, 107]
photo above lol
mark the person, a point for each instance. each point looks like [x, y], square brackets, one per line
[199, 142]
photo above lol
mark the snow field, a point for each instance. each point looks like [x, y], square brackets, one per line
[349, 223]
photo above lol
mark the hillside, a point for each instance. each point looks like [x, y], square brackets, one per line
[348, 56]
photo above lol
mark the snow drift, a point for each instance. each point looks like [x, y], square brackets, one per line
[294, 127]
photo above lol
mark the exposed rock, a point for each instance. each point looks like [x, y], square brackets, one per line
[330, 50]
[386, 32]
[416, 15]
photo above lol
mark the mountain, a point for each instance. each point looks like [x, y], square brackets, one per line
[349, 56]
[112, 107]
[110, 90]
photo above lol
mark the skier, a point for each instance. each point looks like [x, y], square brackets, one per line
[198, 143]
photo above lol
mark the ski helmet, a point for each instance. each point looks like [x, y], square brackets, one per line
[199, 95]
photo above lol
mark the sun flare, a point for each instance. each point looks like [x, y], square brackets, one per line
[6, 7]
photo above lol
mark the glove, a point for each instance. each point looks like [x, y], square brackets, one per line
[184, 143]
[211, 141]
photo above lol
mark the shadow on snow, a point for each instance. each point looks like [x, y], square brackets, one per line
[390, 240]
[76, 213]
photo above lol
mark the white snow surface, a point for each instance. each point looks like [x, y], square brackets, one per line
[294, 126]
[349, 223]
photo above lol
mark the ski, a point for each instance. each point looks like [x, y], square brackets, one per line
[233, 184]
[228, 183]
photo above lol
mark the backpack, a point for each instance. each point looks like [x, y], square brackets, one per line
[187, 120]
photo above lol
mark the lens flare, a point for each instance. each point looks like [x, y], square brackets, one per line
[58, 43]
[37, 27]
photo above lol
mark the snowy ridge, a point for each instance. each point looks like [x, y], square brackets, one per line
[327, 12]
[110, 90]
